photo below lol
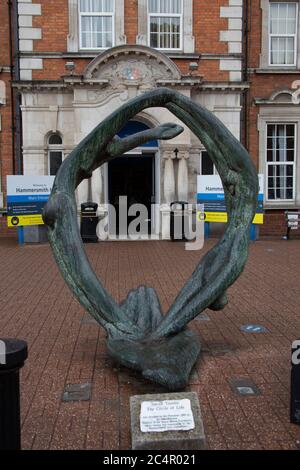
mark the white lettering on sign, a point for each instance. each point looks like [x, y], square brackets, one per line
[167, 415]
[212, 184]
[296, 353]
[2, 353]
[18, 185]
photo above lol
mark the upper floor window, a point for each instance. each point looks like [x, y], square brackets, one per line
[281, 161]
[165, 24]
[283, 19]
[55, 153]
[96, 24]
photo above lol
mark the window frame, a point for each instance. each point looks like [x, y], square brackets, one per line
[264, 65]
[54, 148]
[294, 163]
[215, 172]
[97, 14]
[165, 15]
[295, 35]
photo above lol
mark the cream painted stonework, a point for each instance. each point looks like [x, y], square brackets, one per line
[27, 34]
[233, 36]
[109, 81]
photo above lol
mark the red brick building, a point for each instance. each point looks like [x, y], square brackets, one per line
[6, 115]
[272, 45]
[78, 60]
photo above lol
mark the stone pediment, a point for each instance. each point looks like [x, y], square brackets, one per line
[283, 96]
[132, 65]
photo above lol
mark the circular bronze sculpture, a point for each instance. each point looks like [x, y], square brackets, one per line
[139, 335]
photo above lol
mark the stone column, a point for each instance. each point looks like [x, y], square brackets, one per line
[97, 193]
[168, 192]
[142, 23]
[96, 186]
[183, 177]
[120, 37]
[82, 192]
[73, 37]
[183, 190]
[188, 37]
[169, 177]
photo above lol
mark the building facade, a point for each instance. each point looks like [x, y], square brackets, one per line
[273, 107]
[6, 109]
[76, 61]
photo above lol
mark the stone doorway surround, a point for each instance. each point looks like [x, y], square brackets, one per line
[75, 104]
[125, 72]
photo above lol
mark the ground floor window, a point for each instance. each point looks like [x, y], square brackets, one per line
[55, 153]
[281, 161]
[206, 164]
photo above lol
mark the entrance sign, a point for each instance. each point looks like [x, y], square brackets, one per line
[211, 194]
[166, 415]
[26, 197]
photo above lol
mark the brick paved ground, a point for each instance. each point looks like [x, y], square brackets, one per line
[36, 306]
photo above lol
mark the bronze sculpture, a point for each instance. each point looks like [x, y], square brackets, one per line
[139, 336]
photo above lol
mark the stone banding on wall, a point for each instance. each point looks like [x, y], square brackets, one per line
[27, 34]
[233, 37]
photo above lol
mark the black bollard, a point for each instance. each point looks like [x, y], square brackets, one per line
[295, 383]
[13, 353]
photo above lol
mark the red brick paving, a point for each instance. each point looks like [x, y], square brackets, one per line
[37, 306]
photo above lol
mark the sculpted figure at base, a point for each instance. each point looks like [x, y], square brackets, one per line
[160, 346]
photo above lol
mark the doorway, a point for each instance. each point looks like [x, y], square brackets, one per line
[133, 177]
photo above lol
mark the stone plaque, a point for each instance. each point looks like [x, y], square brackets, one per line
[166, 415]
[167, 421]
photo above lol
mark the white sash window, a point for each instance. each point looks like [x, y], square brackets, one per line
[96, 24]
[281, 161]
[165, 24]
[283, 19]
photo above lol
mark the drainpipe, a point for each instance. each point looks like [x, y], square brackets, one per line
[245, 74]
[11, 56]
[15, 95]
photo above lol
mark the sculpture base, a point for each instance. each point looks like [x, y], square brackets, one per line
[167, 362]
[193, 439]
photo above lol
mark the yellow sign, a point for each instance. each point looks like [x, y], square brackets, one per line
[23, 220]
[216, 217]
[222, 217]
[258, 219]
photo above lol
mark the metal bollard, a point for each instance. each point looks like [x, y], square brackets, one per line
[295, 383]
[13, 353]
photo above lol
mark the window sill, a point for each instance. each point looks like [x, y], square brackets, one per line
[272, 70]
[99, 49]
[168, 51]
[177, 53]
[87, 53]
[280, 205]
